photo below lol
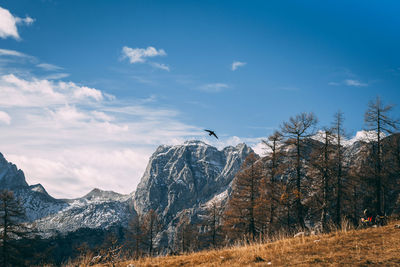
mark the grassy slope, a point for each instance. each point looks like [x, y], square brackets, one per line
[373, 246]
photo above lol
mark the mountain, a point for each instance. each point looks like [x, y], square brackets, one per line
[10, 176]
[179, 177]
[176, 178]
[184, 177]
[34, 199]
[179, 183]
[96, 210]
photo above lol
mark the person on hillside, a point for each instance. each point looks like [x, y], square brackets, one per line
[368, 219]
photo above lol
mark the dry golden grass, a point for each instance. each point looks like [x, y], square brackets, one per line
[373, 246]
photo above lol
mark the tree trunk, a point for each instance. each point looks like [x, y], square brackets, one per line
[299, 206]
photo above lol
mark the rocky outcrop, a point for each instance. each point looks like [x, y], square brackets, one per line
[10, 176]
[185, 177]
[180, 177]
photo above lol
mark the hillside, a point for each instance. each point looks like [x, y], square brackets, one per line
[373, 246]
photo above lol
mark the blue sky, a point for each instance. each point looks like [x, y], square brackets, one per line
[110, 81]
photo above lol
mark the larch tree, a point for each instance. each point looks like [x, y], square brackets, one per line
[270, 187]
[186, 234]
[339, 133]
[391, 161]
[152, 226]
[296, 130]
[11, 213]
[240, 216]
[213, 223]
[378, 120]
[135, 234]
[321, 170]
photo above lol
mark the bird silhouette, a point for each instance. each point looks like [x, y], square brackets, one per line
[211, 133]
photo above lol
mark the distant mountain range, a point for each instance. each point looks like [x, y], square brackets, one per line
[181, 178]
[176, 178]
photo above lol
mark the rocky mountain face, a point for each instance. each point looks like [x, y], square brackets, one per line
[177, 178]
[180, 182]
[180, 177]
[186, 177]
[34, 198]
[10, 176]
[96, 210]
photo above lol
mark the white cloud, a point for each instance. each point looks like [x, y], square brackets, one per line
[349, 82]
[40, 92]
[68, 114]
[237, 64]
[213, 87]
[49, 67]
[102, 116]
[73, 138]
[139, 55]
[27, 20]
[81, 92]
[6, 52]
[5, 118]
[56, 76]
[356, 83]
[8, 24]
[159, 66]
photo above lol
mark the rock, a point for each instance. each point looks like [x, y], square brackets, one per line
[180, 180]
[300, 234]
[10, 176]
[95, 259]
[258, 259]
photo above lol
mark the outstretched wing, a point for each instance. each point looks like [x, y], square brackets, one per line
[210, 133]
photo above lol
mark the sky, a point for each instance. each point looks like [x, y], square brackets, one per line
[89, 89]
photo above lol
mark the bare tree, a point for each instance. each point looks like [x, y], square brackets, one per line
[135, 234]
[152, 226]
[378, 120]
[11, 213]
[213, 222]
[338, 132]
[271, 192]
[321, 171]
[186, 234]
[240, 215]
[296, 129]
[111, 249]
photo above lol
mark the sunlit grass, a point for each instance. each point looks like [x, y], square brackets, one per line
[373, 246]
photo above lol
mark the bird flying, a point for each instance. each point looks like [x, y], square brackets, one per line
[211, 133]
